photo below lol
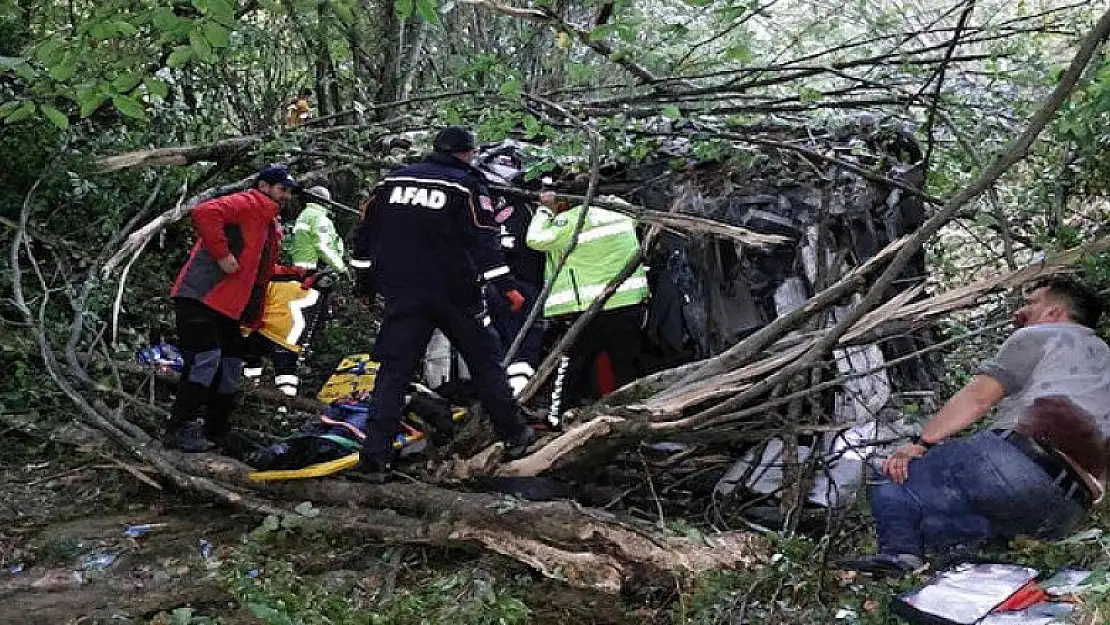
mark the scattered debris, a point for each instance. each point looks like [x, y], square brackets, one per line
[98, 561]
[135, 531]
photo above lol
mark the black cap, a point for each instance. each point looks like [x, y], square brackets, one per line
[453, 139]
[278, 174]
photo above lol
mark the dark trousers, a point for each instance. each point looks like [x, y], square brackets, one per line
[284, 361]
[213, 349]
[508, 325]
[966, 493]
[616, 333]
[406, 328]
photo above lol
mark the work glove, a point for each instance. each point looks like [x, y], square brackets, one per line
[318, 279]
[516, 300]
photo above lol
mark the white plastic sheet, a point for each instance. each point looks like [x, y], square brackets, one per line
[845, 455]
[969, 592]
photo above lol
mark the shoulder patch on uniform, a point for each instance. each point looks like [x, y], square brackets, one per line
[323, 228]
[486, 202]
[503, 215]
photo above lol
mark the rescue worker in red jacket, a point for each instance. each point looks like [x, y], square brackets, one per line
[223, 285]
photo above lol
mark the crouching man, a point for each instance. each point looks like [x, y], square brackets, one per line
[1038, 467]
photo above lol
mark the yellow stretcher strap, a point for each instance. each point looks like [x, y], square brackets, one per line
[355, 373]
[315, 470]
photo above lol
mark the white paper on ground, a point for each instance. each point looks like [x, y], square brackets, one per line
[970, 591]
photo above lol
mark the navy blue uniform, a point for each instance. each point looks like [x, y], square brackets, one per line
[514, 213]
[429, 240]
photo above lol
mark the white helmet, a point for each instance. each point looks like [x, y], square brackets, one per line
[501, 163]
[320, 192]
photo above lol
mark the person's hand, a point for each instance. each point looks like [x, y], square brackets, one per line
[547, 198]
[897, 466]
[516, 300]
[228, 264]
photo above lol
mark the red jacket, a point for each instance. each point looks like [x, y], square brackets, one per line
[245, 225]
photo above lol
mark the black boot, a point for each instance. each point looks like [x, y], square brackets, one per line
[217, 418]
[188, 437]
[517, 446]
[372, 471]
[183, 432]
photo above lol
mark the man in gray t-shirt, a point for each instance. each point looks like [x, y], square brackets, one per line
[1051, 359]
[1051, 376]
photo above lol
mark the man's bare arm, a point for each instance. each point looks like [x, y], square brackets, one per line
[967, 406]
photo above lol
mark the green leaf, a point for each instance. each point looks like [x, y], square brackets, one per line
[125, 29]
[602, 31]
[55, 116]
[156, 87]
[271, 523]
[126, 82]
[90, 100]
[531, 125]
[21, 113]
[672, 112]
[223, 11]
[627, 33]
[269, 615]
[427, 9]
[201, 49]
[19, 65]
[128, 106]
[164, 20]
[49, 52]
[741, 52]
[182, 616]
[305, 509]
[403, 8]
[7, 107]
[101, 30]
[65, 69]
[217, 35]
[511, 87]
[809, 95]
[180, 56]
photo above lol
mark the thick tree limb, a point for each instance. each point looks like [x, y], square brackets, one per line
[673, 220]
[137, 240]
[183, 155]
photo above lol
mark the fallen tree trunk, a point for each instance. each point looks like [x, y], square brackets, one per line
[181, 155]
[587, 548]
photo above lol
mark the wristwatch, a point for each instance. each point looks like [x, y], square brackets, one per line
[917, 440]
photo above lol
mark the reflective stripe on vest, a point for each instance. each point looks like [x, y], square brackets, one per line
[593, 291]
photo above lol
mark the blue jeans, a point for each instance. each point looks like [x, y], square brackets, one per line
[966, 493]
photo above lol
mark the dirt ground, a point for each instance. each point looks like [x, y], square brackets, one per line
[67, 557]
